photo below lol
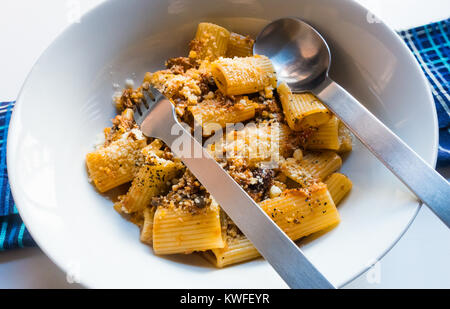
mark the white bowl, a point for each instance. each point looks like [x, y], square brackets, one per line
[66, 102]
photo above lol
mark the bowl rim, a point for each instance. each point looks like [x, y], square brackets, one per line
[19, 202]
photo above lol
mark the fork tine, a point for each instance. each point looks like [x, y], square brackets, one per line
[155, 92]
[144, 101]
[151, 97]
[142, 108]
[138, 109]
[149, 94]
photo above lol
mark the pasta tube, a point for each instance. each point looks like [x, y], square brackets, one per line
[176, 230]
[243, 75]
[153, 177]
[236, 250]
[326, 136]
[210, 43]
[339, 186]
[345, 138]
[299, 214]
[117, 163]
[302, 110]
[147, 228]
[240, 46]
[209, 113]
[257, 143]
[313, 167]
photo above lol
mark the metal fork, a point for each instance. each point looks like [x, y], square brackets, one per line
[156, 118]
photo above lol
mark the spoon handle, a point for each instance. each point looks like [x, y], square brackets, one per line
[430, 187]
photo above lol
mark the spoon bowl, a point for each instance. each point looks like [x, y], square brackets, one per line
[299, 53]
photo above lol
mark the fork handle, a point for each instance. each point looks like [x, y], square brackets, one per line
[273, 244]
[430, 187]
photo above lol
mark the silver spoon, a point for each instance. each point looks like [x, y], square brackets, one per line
[302, 59]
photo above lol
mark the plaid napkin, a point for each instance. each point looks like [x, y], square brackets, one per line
[13, 233]
[430, 45]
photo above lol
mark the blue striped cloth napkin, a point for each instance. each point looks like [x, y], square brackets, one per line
[430, 45]
[13, 233]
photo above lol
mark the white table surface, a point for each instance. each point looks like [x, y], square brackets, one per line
[27, 27]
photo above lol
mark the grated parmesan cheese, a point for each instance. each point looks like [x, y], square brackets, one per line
[274, 191]
[129, 83]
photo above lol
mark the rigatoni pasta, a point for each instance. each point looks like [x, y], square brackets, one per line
[281, 148]
[254, 144]
[321, 164]
[176, 230]
[235, 76]
[339, 186]
[312, 167]
[147, 227]
[302, 110]
[239, 46]
[211, 42]
[300, 214]
[326, 136]
[152, 178]
[209, 113]
[236, 250]
[345, 138]
[117, 163]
